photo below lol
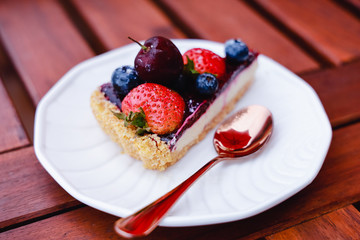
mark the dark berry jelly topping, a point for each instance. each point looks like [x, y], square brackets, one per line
[196, 105]
[110, 94]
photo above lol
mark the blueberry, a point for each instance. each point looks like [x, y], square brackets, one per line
[206, 84]
[236, 51]
[124, 79]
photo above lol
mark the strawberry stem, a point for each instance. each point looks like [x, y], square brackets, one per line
[142, 46]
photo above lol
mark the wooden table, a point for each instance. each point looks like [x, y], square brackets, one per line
[40, 40]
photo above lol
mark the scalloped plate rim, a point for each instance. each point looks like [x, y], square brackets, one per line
[176, 221]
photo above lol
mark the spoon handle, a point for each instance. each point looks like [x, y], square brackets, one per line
[146, 220]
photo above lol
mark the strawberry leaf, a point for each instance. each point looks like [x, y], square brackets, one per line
[136, 119]
[120, 115]
[189, 67]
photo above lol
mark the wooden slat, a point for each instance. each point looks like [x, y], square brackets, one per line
[12, 132]
[33, 33]
[340, 224]
[27, 190]
[332, 189]
[352, 5]
[328, 28]
[90, 224]
[113, 21]
[222, 20]
[84, 223]
[21, 102]
[339, 91]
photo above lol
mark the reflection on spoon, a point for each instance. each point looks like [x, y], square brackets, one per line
[241, 134]
[244, 132]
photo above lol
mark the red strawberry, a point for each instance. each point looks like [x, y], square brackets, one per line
[205, 61]
[163, 107]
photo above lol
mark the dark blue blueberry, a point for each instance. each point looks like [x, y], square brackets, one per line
[236, 51]
[124, 79]
[206, 84]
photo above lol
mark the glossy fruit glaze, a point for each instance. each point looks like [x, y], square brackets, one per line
[196, 105]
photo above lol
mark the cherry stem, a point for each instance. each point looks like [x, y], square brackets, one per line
[142, 46]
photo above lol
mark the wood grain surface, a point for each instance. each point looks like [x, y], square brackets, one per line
[113, 21]
[27, 190]
[40, 40]
[36, 42]
[234, 19]
[340, 224]
[12, 132]
[322, 24]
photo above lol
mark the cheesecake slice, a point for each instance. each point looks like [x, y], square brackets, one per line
[200, 116]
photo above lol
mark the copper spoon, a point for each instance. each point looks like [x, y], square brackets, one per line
[241, 134]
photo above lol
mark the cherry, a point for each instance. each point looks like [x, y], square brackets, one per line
[158, 61]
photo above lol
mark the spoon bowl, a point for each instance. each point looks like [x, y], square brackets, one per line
[241, 134]
[244, 132]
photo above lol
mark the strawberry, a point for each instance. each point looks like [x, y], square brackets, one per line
[162, 108]
[204, 61]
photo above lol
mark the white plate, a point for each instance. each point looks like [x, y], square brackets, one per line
[81, 158]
